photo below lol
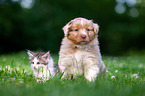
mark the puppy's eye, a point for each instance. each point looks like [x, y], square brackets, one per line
[38, 62]
[77, 30]
[88, 29]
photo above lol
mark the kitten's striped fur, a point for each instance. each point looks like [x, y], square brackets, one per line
[42, 65]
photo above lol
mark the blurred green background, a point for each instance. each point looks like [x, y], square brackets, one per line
[37, 24]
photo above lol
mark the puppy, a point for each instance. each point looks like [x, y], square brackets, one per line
[79, 53]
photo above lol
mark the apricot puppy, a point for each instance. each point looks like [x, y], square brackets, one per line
[79, 53]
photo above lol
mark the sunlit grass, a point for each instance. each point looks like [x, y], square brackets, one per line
[126, 77]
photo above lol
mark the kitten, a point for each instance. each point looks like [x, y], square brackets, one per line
[42, 65]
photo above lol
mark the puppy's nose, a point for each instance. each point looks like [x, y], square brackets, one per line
[83, 36]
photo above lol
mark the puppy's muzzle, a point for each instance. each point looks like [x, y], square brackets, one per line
[83, 36]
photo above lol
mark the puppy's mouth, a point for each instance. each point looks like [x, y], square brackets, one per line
[82, 42]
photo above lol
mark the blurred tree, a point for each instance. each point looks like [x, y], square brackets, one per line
[38, 24]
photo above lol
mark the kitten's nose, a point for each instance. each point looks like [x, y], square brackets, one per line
[34, 67]
[83, 36]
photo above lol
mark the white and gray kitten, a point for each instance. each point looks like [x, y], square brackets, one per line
[42, 65]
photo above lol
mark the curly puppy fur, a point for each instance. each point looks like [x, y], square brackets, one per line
[79, 53]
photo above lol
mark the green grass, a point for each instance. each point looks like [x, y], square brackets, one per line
[126, 77]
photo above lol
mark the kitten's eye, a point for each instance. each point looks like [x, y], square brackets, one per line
[32, 62]
[76, 29]
[88, 29]
[38, 63]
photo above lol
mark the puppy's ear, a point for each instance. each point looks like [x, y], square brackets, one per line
[96, 28]
[65, 28]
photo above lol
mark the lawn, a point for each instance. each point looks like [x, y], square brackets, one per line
[126, 77]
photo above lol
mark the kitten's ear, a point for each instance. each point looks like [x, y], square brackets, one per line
[46, 55]
[30, 53]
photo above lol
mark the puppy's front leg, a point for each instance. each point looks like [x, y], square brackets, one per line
[91, 72]
[63, 70]
[65, 67]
